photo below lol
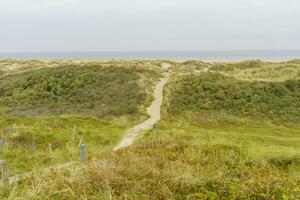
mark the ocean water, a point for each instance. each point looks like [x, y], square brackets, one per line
[150, 55]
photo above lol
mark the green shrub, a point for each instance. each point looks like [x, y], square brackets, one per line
[237, 66]
[213, 92]
[285, 162]
[72, 89]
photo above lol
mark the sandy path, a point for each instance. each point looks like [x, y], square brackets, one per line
[153, 111]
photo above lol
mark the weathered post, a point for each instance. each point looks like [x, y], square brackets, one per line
[33, 147]
[50, 147]
[4, 172]
[154, 133]
[74, 135]
[1, 145]
[82, 152]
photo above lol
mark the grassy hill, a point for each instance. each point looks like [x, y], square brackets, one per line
[216, 94]
[88, 88]
[41, 101]
[229, 131]
[260, 71]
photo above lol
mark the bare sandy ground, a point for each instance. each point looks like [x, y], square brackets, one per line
[153, 111]
[11, 67]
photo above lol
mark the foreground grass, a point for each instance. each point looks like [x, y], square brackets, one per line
[183, 161]
[222, 136]
[19, 134]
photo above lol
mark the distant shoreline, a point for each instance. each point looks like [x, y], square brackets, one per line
[171, 60]
[177, 56]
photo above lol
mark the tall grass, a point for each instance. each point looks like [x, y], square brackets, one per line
[183, 161]
[19, 134]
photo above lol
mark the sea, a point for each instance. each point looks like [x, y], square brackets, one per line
[269, 55]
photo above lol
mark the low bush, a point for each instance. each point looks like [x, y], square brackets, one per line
[90, 89]
[237, 66]
[213, 92]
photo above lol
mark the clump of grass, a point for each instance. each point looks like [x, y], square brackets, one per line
[297, 61]
[237, 66]
[190, 66]
[285, 162]
[259, 71]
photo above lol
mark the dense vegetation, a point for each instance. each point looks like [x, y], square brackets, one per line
[230, 133]
[89, 89]
[260, 71]
[213, 92]
[237, 66]
[57, 131]
[183, 162]
[41, 101]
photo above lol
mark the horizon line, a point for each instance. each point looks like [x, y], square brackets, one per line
[96, 51]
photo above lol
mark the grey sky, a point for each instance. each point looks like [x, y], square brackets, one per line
[96, 25]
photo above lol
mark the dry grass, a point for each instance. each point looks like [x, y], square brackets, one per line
[182, 162]
[260, 71]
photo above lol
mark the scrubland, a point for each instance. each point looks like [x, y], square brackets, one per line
[228, 131]
[42, 101]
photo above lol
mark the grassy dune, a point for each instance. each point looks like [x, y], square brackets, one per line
[88, 88]
[18, 134]
[218, 94]
[41, 101]
[225, 134]
[261, 71]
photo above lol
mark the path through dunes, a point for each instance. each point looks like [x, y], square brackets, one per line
[153, 111]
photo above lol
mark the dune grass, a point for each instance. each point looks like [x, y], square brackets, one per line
[19, 134]
[41, 101]
[216, 93]
[183, 161]
[215, 141]
[260, 71]
[86, 89]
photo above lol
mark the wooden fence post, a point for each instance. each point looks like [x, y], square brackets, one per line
[33, 147]
[4, 172]
[154, 134]
[50, 147]
[74, 135]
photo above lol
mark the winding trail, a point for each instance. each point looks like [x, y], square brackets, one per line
[153, 111]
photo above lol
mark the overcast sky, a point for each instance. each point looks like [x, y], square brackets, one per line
[141, 25]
